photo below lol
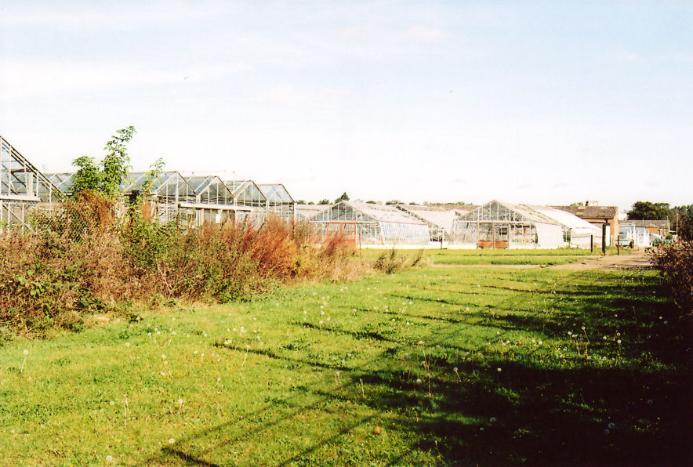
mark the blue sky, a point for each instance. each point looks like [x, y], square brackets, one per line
[538, 102]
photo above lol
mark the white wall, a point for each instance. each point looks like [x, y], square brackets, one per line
[550, 235]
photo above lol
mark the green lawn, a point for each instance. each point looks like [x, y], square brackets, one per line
[503, 257]
[429, 365]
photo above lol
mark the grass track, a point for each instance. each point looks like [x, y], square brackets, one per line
[448, 365]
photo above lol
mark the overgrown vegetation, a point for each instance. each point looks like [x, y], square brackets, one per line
[675, 262]
[392, 261]
[86, 259]
[101, 251]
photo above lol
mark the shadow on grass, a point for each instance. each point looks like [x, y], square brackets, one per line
[467, 412]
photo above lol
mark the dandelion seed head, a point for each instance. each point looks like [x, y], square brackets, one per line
[26, 352]
[171, 441]
[492, 419]
[109, 459]
[611, 425]
[499, 369]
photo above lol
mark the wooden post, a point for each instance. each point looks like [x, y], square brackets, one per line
[604, 238]
[592, 243]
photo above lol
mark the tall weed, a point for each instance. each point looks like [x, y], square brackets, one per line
[85, 258]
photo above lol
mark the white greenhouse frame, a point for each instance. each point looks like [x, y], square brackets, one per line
[23, 188]
[370, 224]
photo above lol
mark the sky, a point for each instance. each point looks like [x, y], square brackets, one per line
[524, 101]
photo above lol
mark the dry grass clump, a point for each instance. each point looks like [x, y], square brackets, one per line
[84, 259]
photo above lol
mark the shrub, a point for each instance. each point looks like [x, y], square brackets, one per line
[675, 262]
[83, 259]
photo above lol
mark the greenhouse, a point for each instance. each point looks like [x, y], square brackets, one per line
[23, 188]
[438, 220]
[279, 201]
[213, 202]
[308, 211]
[247, 193]
[166, 192]
[62, 181]
[576, 232]
[505, 225]
[372, 224]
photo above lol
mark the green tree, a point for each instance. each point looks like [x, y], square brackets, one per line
[343, 197]
[324, 201]
[106, 176]
[649, 210]
[87, 176]
[681, 219]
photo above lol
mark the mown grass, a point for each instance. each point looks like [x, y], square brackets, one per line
[500, 257]
[429, 365]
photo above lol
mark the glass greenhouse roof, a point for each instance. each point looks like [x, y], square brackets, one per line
[276, 193]
[507, 212]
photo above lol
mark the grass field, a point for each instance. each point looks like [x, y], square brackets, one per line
[430, 365]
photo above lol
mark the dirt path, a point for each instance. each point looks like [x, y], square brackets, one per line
[637, 260]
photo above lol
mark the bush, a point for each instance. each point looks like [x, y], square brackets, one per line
[83, 259]
[675, 262]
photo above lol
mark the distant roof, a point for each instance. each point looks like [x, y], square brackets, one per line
[276, 192]
[491, 211]
[661, 223]
[565, 218]
[306, 211]
[247, 187]
[435, 215]
[591, 212]
[199, 183]
[384, 213]
[135, 181]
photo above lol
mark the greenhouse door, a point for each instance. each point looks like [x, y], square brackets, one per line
[495, 236]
